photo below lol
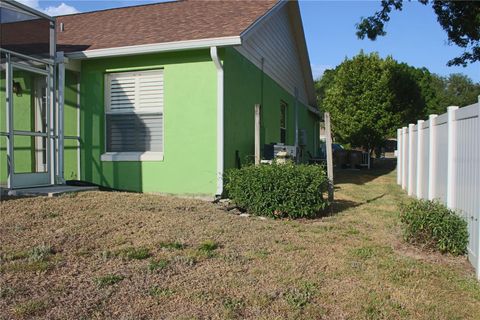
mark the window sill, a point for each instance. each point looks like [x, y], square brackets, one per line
[132, 156]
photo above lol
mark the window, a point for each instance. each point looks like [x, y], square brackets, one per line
[134, 116]
[283, 122]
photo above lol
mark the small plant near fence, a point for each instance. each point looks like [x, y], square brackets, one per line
[432, 224]
[279, 190]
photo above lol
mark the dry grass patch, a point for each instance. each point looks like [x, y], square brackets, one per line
[126, 255]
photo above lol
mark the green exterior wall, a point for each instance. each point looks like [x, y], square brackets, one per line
[190, 91]
[71, 148]
[245, 86]
[190, 106]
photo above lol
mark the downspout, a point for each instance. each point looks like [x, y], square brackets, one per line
[219, 67]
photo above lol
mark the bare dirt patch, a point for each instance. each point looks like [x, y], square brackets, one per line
[103, 255]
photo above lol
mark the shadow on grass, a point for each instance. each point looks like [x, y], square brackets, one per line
[343, 205]
[360, 177]
[4, 198]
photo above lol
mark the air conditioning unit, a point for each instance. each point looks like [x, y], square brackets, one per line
[270, 151]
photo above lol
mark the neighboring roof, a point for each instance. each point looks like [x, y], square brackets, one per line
[182, 20]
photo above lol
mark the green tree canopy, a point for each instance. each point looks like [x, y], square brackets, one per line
[455, 90]
[460, 19]
[368, 98]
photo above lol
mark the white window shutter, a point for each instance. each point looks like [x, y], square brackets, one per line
[122, 93]
[134, 119]
[150, 90]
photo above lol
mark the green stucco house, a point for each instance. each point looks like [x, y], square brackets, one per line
[153, 98]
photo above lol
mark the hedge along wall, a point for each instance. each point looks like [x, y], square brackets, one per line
[245, 86]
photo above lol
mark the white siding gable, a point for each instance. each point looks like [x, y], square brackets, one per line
[273, 40]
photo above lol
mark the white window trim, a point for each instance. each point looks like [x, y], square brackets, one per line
[128, 156]
[132, 156]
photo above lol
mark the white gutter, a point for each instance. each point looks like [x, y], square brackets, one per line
[219, 67]
[156, 47]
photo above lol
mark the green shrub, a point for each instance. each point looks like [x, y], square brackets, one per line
[278, 190]
[432, 224]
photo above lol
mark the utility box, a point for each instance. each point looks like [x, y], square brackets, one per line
[302, 137]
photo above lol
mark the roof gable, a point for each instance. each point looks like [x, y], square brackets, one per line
[276, 44]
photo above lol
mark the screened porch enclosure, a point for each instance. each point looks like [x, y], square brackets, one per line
[31, 99]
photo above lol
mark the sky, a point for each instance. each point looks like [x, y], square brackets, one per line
[413, 36]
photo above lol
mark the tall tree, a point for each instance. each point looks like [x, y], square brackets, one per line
[460, 19]
[323, 84]
[368, 98]
[455, 90]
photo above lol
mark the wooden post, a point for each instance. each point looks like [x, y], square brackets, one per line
[297, 151]
[328, 146]
[257, 134]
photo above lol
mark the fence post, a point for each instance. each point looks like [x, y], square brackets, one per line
[257, 134]
[451, 157]
[420, 158]
[410, 159]
[477, 218]
[404, 158]
[431, 158]
[399, 156]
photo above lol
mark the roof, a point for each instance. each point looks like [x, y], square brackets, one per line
[174, 21]
[174, 25]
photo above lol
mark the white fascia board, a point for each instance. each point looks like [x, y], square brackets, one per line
[156, 47]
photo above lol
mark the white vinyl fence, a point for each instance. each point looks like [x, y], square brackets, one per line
[440, 159]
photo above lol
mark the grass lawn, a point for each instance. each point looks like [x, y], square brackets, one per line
[135, 256]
